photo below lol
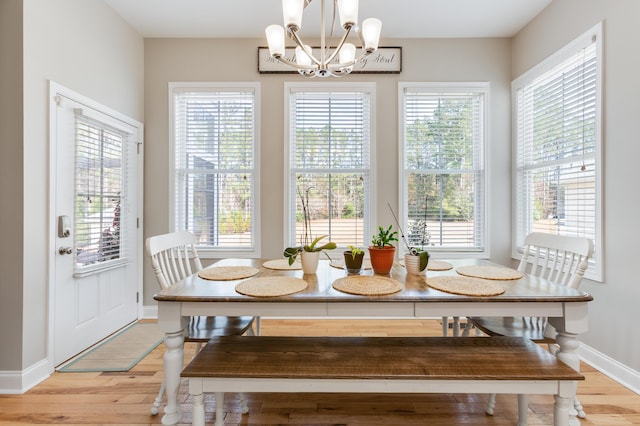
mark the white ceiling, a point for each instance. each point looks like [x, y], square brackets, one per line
[400, 18]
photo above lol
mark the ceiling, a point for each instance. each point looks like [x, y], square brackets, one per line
[400, 18]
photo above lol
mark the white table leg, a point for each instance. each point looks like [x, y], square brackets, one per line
[567, 345]
[523, 409]
[173, 358]
[561, 411]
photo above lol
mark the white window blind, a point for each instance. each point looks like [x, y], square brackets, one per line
[557, 147]
[215, 168]
[100, 190]
[329, 148]
[442, 172]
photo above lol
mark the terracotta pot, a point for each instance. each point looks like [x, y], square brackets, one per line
[309, 260]
[382, 258]
[353, 263]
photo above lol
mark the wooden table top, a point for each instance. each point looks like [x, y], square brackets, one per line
[414, 287]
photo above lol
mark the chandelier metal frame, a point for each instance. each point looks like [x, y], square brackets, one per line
[306, 63]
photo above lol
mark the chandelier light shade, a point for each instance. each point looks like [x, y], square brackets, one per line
[331, 61]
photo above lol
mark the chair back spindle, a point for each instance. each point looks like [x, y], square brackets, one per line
[173, 257]
[562, 260]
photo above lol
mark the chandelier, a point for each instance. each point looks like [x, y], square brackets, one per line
[338, 61]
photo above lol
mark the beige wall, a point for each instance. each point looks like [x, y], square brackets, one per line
[85, 46]
[11, 183]
[614, 312]
[444, 60]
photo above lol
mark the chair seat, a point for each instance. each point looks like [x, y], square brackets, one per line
[203, 328]
[512, 327]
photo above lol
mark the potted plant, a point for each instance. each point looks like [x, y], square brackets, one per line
[416, 259]
[353, 259]
[309, 249]
[381, 250]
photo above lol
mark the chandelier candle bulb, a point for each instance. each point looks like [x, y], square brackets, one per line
[292, 13]
[371, 28]
[348, 53]
[348, 11]
[301, 57]
[275, 40]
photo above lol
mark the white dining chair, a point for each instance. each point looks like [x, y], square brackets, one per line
[559, 259]
[173, 258]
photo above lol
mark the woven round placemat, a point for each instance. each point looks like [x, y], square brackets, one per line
[282, 265]
[438, 265]
[227, 273]
[271, 286]
[490, 272]
[339, 264]
[365, 285]
[466, 286]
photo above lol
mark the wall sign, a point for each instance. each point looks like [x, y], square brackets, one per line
[385, 60]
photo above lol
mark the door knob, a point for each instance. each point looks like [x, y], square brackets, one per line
[65, 250]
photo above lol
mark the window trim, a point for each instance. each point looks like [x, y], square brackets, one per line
[594, 34]
[291, 87]
[483, 87]
[207, 252]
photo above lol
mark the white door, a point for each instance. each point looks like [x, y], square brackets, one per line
[94, 202]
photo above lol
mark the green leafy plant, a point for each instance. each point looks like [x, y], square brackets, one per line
[384, 237]
[306, 242]
[355, 251]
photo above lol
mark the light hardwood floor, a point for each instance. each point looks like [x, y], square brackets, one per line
[125, 398]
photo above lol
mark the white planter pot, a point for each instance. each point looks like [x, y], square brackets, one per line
[412, 264]
[309, 261]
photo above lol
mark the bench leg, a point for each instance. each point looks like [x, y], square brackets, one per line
[219, 409]
[198, 409]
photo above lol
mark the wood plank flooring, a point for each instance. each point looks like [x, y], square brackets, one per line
[125, 398]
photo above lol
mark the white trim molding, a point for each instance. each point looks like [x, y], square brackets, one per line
[611, 368]
[18, 382]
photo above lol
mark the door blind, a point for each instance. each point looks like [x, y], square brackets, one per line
[100, 191]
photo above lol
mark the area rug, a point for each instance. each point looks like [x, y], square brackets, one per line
[119, 352]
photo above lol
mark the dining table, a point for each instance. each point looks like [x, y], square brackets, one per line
[566, 308]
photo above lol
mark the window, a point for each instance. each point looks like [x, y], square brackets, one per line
[442, 137]
[329, 145]
[215, 194]
[557, 146]
[102, 155]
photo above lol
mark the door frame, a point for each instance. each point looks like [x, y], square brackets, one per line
[56, 90]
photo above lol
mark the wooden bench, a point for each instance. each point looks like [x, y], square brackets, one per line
[377, 365]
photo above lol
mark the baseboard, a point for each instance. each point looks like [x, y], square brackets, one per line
[150, 312]
[18, 382]
[611, 368]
